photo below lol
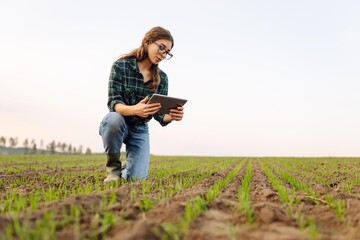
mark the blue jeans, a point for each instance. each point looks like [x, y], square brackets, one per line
[114, 132]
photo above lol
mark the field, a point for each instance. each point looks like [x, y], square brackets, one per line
[64, 197]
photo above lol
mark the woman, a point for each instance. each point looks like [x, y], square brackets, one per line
[134, 78]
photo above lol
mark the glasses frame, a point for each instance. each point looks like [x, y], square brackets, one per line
[168, 55]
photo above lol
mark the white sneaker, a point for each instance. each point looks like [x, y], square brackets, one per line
[112, 175]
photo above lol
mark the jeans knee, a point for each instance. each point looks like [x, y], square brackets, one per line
[114, 122]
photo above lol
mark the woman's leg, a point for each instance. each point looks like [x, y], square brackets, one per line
[137, 153]
[113, 130]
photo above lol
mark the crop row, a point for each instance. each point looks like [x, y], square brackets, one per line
[341, 173]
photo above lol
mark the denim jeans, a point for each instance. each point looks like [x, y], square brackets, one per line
[114, 132]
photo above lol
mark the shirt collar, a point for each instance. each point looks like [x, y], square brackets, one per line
[133, 64]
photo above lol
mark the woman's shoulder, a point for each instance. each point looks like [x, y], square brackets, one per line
[123, 62]
[163, 78]
[124, 65]
[162, 74]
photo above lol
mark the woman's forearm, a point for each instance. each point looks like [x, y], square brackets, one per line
[124, 110]
[167, 118]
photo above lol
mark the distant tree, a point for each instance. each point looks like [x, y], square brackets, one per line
[80, 149]
[58, 146]
[63, 147]
[26, 145]
[69, 149]
[34, 149]
[12, 142]
[3, 141]
[16, 141]
[88, 151]
[32, 146]
[51, 147]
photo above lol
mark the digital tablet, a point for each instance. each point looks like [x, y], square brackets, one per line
[166, 102]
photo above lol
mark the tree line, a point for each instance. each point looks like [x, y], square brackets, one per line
[33, 147]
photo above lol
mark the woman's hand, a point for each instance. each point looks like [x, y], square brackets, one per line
[175, 114]
[144, 110]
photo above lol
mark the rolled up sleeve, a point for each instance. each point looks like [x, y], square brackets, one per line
[116, 87]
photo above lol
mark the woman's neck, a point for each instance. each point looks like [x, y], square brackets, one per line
[145, 65]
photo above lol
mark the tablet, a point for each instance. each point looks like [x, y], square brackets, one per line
[166, 102]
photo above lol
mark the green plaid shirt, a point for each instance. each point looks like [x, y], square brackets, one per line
[126, 85]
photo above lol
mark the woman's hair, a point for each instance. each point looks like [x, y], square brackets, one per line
[154, 34]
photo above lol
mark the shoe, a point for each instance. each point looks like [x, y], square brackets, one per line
[113, 174]
[123, 166]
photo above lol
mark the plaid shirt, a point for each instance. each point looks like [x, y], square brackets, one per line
[126, 86]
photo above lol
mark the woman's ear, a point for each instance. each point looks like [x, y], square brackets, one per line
[147, 43]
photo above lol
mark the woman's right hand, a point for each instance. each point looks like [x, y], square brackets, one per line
[144, 110]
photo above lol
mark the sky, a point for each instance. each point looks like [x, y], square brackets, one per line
[262, 78]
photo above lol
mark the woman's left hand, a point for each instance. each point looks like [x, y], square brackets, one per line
[177, 113]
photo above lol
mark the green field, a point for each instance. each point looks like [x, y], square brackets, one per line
[64, 197]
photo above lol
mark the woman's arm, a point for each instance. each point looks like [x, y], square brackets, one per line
[141, 109]
[175, 114]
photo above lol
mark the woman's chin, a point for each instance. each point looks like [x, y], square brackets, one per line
[156, 61]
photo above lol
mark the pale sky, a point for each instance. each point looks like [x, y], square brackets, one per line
[262, 78]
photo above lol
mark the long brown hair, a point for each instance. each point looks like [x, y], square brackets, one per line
[154, 34]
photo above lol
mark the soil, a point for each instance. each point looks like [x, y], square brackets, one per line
[223, 218]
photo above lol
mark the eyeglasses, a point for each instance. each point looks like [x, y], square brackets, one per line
[162, 51]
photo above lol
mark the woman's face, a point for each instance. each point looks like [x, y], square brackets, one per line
[159, 50]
